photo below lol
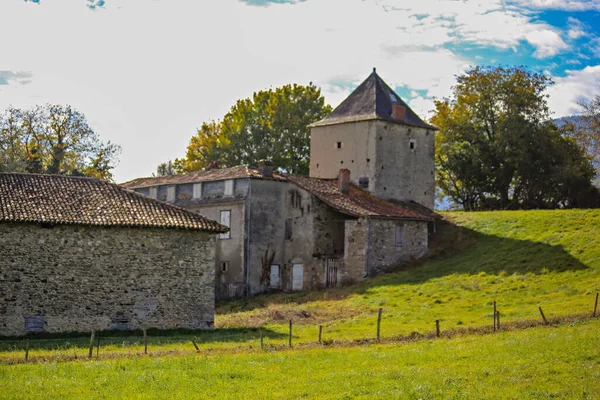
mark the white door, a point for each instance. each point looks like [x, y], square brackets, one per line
[297, 277]
[274, 276]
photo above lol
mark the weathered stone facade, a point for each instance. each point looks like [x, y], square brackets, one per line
[394, 161]
[79, 278]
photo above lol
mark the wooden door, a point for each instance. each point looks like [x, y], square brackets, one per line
[331, 272]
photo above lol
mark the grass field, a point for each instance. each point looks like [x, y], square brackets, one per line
[543, 362]
[522, 260]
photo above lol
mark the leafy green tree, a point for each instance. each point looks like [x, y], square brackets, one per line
[166, 168]
[273, 125]
[498, 149]
[53, 139]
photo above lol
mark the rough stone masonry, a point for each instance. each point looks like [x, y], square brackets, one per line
[79, 278]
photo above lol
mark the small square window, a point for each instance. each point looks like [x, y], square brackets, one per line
[339, 145]
[224, 266]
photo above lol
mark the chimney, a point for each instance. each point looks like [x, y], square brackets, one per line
[212, 165]
[266, 168]
[344, 180]
[398, 111]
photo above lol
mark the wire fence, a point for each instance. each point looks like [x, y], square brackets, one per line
[154, 342]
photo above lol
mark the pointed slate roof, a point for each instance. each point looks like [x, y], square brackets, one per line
[372, 99]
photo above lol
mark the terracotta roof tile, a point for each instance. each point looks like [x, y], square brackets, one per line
[219, 174]
[359, 203]
[87, 201]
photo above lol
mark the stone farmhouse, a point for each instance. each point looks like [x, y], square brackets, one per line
[81, 254]
[366, 206]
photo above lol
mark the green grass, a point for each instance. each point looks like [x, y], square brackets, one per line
[542, 362]
[521, 259]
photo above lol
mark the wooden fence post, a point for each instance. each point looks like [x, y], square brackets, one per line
[98, 347]
[543, 316]
[320, 334]
[262, 346]
[26, 350]
[494, 315]
[195, 345]
[145, 341]
[91, 352]
[379, 324]
[290, 333]
[437, 327]
[595, 306]
[498, 320]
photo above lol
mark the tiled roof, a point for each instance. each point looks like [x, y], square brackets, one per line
[240, 171]
[372, 99]
[359, 203]
[59, 199]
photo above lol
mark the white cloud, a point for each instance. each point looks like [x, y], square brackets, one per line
[577, 85]
[547, 43]
[576, 28]
[147, 73]
[572, 5]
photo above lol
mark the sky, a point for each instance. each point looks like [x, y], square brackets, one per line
[147, 73]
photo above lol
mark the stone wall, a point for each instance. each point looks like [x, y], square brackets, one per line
[355, 250]
[402, 173]
[232, 282]
[79, 278]
[384, 251]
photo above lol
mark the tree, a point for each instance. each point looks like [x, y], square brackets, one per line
[498, 149]
[166, 169]
[273, 125]
[588, 134]
[53, 139]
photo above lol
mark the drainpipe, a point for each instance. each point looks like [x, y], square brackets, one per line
[248, 214]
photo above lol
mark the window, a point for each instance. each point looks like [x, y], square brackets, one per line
[412, 144]
[153, 192]
[339, 145]
[288, 229]
[197, 191]
[363, 182]
[228, 188]
[224, 266]
[399, 235]
[274, 277]
[226, 221]
[171, 193]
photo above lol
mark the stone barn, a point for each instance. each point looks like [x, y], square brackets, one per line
[81, 254]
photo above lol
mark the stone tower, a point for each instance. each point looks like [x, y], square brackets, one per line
[388, 149]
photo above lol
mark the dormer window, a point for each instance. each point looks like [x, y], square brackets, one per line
[153, 192]
[228, 188]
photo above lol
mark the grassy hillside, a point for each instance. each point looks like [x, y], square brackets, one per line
[521, 259]
[544, 362]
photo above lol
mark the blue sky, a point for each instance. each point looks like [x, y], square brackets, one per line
[148, 72]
